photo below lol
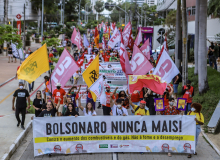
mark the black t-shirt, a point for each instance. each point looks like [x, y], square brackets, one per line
[21, 95]
[210, 52]
[9, 50]
[47, 113]
[44, 106]
[71, 113]
[38, 102]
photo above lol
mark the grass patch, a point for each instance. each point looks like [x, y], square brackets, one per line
[208, 100]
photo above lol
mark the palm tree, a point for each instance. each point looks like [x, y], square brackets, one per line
[178, 32]
[214, 7]
[184, 60]
[202, 48]
[99, 6]
[196, 42]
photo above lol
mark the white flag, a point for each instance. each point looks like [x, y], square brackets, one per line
[116, 37]
[18, 53]
[98, 87]
[166, 68]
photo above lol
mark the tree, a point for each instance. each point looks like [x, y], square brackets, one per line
[99, 6]
[9, 34]
[170, 21]
[214, 8]
[51, 42]
[196, 42]
[178, 32]
[202, 48]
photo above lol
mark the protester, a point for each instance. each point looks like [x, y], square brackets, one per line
[46, 82]
[90, 99]
[10, 54]
[188, 93]
[141, 109]
[215, 54]
[170, 109]
[196, 111]
[107, 108]
[50, 111]
[67, 100]
[89, 110]
[59, 93]
[38, 103]
[135, 99]
[210, 53]
[74, 95]
[116, 108]
[149, 99]
[176, 84]
[167, 94]
[21, 95]
[71, 111]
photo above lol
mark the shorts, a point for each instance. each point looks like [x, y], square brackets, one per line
[60, 109]
[175, 88]
[10, 55]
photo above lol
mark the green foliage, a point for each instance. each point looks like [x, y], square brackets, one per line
[31, 109]
[51, 42]
[99, 6]
[59, 50]
[214, 7]
[210, 99]
[9, 34]
[55, 60]
[191, 55]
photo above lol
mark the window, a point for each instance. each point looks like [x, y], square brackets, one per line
[191, 10]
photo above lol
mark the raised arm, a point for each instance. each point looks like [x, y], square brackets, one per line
[130, 102]
[114, 93]
[78, 89]
[79, 103]
[58, 105]
[111, 100]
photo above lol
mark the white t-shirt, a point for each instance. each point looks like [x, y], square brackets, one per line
[89, 112]
[64, 43]
[118, 112]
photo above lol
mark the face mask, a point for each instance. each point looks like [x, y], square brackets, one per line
[154, 93]
[171, 103]
[193, 109]
[21, 87]
[188, 86]
[72, 92]
[58, 87]
[119, 106]
[108, 90]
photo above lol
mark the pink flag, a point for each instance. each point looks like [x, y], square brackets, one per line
[65, 68]
[115, 38]
[138, 39]
[139, 63]
[75, 38]
[125, 65]
[126, 33]
[145, 49]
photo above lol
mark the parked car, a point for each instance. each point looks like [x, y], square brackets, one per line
[171, 49]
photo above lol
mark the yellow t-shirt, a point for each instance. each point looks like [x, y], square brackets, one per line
[198, 117]
[141, 111]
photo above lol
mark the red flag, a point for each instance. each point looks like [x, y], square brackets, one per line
[126, 33]
[138, 39]
[75, 38]
[96, 32]
[161, 51]
[153, 82]
[113, 25]
[139, 63]
[80, 61]
[145, 49]
[130, 41]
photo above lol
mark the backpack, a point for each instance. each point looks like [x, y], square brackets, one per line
[138, 108]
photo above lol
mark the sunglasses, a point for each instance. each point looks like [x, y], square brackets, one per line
[39, 93]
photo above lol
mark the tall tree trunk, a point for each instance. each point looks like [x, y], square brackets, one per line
[196, 42]
[184, 24]
[202, 48]
[178, 32]
[5, 11]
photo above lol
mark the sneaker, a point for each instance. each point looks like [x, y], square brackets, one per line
[18, 124]
[22, 127]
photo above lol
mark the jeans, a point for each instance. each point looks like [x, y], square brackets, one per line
[212, 59]
[188, 108]
[198, 130]
[175, 88]
[135, 103]
[31, 86]
[21, 110]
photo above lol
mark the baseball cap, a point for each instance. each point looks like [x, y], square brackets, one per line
[142, 101]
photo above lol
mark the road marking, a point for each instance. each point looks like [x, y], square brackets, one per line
[7, 96]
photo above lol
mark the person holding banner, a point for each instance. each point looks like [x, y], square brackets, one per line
[59, 93]
[50, 111]
[141, 109]
[196, 110]
[116, 107]
[88, 110]
[188, 93]
[71, 111]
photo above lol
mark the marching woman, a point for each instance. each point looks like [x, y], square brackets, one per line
[196, 110]
[38, 103]
[89, 110]
[71, 110]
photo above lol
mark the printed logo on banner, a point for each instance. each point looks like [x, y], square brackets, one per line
[103, 145]
[113, 145]
[57, 148]
[79, 149]
[124, 146]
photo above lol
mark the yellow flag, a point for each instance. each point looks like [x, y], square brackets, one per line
[91, 74]
[97, 41]
[34, 65]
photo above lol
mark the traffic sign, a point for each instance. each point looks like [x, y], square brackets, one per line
[160, 40]
[18, 16]
[161, 31]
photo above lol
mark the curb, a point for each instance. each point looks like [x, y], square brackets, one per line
[2, 84]
[17, 142]
[207, 138]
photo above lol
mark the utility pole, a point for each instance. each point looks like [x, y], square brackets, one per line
[79, 11]
[5, 11]
[42, 21]
[184, 24]
[142, 16]
[24, 29]
[61, 12]
[145, 18]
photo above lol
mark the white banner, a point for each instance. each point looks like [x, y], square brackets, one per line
[115, 38]
[71, 135]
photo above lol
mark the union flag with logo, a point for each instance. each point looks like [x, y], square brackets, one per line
[153, 82]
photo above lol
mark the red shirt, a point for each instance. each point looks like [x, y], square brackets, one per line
[141, 94]
[89, 95]
[166, 101]
[108, 98]
[58, 94]
[170, 111]
[50, 56]
[135, 97]
[106, 58]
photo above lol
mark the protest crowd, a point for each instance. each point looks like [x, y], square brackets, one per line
[153, 92]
